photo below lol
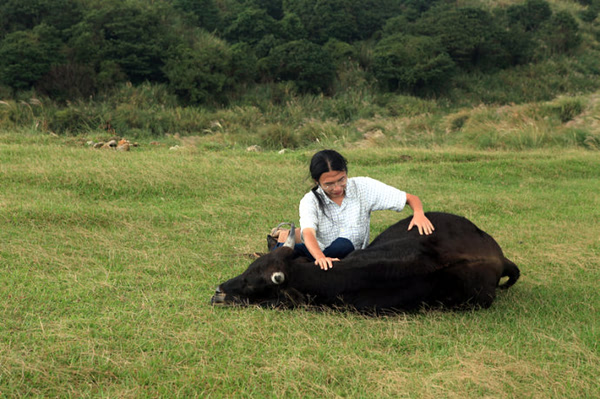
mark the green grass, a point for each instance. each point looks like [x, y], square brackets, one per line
[108, 261]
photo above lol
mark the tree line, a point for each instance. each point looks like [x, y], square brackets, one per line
[207, 51]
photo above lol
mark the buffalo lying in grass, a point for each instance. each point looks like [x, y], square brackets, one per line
[458, 266]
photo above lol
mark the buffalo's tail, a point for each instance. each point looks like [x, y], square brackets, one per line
[512, 272]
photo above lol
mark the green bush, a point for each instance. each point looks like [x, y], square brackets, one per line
[531, 82]
[406, 106]
[15, 114]
[17, 15]
[560, 35]
[457, 122]
[205, 13]
[145, 95]
[67, 82]
[306, 64]
[291, 27]
[199, 72]
[349, 106]
[132, 36]
[471, 36]
[411, 63]
[564, 108]
[150, 110]
[591, 12]
[26, 56]
[75, 119]
[340, 51]
[250, 26]
[530, 15]
[276, 136]
[326, 133]
[592, 142]
[325, 19]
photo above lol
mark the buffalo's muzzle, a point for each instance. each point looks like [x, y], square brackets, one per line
[218, 298]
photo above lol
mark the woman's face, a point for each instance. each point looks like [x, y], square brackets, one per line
[334, 183]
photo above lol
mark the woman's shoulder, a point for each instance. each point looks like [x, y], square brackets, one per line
[359, 186]
[309, 198]
[370, 186]
[362, 181]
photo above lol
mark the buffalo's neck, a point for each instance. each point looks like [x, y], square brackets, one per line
[308, 278]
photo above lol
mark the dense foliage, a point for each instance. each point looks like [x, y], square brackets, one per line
[210, 51]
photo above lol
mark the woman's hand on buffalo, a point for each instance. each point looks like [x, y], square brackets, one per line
[423, 224]
[325, 263]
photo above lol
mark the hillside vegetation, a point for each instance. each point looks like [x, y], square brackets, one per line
[287, 74]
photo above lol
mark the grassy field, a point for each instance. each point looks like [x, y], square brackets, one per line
[108, 261]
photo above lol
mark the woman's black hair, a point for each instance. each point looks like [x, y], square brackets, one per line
[323, 162]
[327, 161]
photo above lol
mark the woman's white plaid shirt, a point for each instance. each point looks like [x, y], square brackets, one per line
[351, 220]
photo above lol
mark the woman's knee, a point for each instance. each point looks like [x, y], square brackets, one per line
[339, 248]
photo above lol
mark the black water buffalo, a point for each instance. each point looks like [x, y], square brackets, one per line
[457, 266]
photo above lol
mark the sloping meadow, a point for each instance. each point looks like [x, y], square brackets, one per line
[108, 261]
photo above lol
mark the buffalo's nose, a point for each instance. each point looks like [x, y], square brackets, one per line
[219, 296]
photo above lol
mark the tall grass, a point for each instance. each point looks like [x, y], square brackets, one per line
[108, 261]
[530, 83]
[549, 103]
[563, 122]
[309, 121]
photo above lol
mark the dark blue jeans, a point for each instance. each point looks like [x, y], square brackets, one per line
[339, 248]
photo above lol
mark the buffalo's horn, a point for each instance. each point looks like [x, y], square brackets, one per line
[278, 277]
[291, 240]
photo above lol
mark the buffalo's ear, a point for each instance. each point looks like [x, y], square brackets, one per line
[277, 278]
[271, 242]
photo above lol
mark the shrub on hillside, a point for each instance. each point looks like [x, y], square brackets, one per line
[564, 108]
[327, 133]
[205, 13]
[18, 15]
[75, 119]
[530, 15]
[340, 51]
[306, 64]
[406, 106]
[26, 56]
[411, 63]
[276, 136]
[199, 72]
[130, 35]
[591, 12]
[250, 26]
[559, 35]
[244, 64]
[15, 114]
[471, 36]
[291, 27]
[68, 82]
[144, 96]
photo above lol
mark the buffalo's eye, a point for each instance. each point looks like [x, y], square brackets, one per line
[277, 278]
